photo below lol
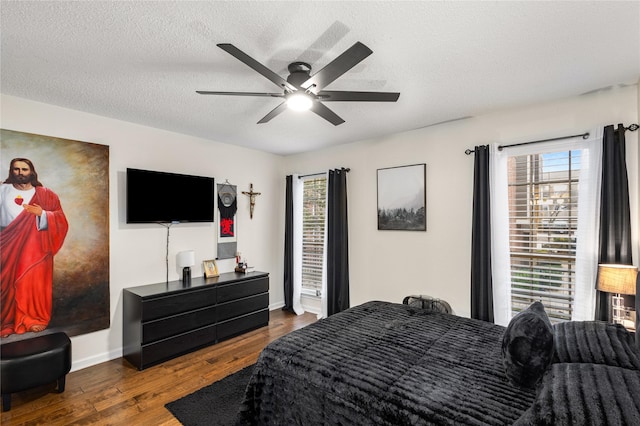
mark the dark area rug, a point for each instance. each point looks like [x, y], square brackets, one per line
[216, 404]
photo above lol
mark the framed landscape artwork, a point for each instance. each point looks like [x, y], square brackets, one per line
[402, 199]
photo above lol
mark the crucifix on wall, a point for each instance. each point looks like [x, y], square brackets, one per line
[252, 199]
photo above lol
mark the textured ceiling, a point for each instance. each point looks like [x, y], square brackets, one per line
[142, 61]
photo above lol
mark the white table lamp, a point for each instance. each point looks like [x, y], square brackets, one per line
[185, 260]
[617, 279]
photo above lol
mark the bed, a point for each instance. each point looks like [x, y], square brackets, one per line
[384, 363]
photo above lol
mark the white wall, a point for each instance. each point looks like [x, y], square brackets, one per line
[138, 252]
[384, 265]
[388, 265]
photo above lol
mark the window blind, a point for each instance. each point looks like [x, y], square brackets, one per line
[313, 233]
[543, 220]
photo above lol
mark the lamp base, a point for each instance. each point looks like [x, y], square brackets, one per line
[186, 274]
[617, 308]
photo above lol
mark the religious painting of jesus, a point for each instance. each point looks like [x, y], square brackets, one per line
[54, 235]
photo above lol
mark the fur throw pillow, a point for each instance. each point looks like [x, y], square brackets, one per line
[528, 346]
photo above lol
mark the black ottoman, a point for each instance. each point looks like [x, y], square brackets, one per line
[29, 363]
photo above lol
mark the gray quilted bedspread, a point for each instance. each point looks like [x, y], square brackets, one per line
[385, 364]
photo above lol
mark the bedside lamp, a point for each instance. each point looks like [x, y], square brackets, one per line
[185, 260]
[617, 279]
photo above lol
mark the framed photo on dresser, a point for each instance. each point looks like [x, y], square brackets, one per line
[210, 268]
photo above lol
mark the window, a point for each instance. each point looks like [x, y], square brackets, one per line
[543, 222]
[545, 200]
[314, 202]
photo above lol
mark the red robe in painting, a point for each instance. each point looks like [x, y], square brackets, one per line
[27, 265]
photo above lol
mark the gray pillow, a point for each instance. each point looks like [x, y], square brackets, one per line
[595, 342]
[528, 346]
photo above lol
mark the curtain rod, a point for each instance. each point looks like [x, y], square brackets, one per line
[321, 173]
[632, 128]
[583, 135]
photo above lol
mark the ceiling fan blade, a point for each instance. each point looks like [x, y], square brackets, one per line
[324, 112]
[337, 95]
[257, 66]
[338, 66]
[277, 110]
[272, 95]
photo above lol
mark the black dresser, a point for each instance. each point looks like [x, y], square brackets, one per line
[162, 321]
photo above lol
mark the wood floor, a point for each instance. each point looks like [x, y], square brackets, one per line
[116, 393]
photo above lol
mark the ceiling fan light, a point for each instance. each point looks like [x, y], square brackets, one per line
[299, 102]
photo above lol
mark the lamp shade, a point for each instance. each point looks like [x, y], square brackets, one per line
[619, 279]
[186, 258]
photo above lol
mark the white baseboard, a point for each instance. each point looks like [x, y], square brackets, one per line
[276, 305]
[308, 307]
[96, 359]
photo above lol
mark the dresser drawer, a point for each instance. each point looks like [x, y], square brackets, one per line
[242, 289]
[243, 306]
[242, 324]
[176, 324]
[177, 345]
[176, 303]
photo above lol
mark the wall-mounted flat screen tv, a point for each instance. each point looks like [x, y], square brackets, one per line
[160, 197]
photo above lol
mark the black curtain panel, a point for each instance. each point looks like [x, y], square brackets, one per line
[615, 216]
[481, 282]
[337, 243]
[288, 245]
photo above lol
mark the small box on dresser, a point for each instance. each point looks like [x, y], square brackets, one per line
[165, 320]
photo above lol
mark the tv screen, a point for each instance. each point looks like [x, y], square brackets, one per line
[159, 197]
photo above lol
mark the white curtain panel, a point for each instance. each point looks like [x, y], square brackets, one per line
[500, 262]
[588, 227]
[587, 231]
[297, 189]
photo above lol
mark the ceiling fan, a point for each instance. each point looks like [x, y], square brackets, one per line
[303, 91]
